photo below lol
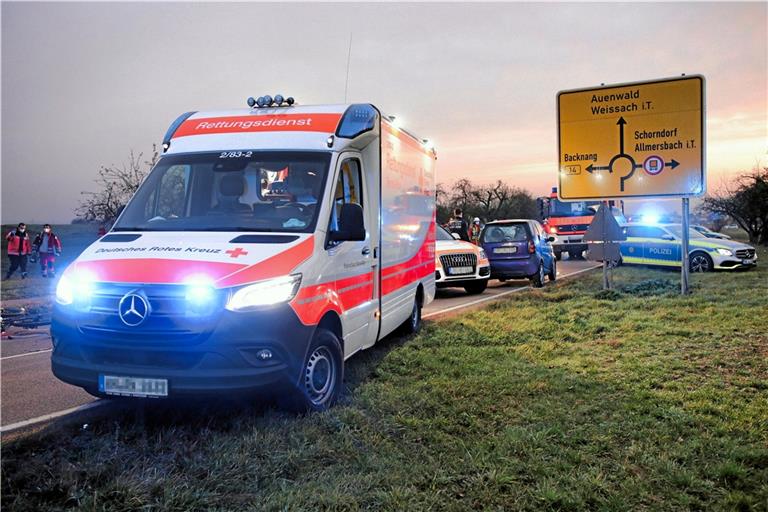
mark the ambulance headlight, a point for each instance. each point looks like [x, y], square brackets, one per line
[483, 256]
[265, 293]
[724, 252]
[77, 285]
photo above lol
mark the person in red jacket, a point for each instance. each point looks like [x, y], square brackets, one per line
[48, 246]
[18, 250]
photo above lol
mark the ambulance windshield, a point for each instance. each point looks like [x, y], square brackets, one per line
[262, 191]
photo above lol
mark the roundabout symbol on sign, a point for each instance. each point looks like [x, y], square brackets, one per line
[653, 165]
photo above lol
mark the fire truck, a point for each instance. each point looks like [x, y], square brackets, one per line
[568, 221]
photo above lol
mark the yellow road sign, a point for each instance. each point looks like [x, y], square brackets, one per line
[643, 139]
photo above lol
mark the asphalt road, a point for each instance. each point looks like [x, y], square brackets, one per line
[31, 394]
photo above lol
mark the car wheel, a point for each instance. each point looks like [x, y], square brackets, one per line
[537, 279]
[553, 271]
[477, 287]
[700, 262]
[413, 324]
[320, 380]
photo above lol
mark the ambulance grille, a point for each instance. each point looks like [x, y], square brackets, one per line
[467, 260]
[169, 320]
[745, 254]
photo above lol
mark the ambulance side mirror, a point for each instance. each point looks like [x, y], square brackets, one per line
[351, 224]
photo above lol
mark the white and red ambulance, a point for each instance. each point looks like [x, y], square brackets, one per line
[266, 247]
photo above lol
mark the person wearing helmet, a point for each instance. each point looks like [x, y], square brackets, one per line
[474, 231]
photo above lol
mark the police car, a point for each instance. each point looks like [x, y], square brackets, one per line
[660, 244]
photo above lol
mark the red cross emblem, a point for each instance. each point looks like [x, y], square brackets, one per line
[238, 251]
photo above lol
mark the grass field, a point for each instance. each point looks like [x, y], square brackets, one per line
[567, 398]
[74, 238]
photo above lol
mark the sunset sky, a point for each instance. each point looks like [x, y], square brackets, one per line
[83, 84]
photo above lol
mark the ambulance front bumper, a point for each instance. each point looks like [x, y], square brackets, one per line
[236, 352]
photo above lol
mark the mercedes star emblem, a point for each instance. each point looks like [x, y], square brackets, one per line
[133, 309]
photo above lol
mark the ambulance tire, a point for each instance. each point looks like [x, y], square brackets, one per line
[413, 324]
[558, 255]
[700, 262]
[321, 378]
[537, 279]
[477, 287]
[575, 255]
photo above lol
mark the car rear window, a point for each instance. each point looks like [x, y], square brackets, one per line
[505, 233]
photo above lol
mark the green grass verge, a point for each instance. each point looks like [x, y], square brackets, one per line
[567, 398]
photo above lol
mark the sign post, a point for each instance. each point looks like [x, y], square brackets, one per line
[603, 237]
[634, 140]
[684, 249]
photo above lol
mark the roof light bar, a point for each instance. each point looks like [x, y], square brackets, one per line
[268, 101]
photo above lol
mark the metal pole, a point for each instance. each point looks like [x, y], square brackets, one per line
[684, 249]
[606, 283]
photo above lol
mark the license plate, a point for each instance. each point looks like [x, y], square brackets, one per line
[505, 250]
[133, 386]
[460, 270]
[746, 262]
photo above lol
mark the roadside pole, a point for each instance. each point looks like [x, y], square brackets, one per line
[606, 281]
[684, 249]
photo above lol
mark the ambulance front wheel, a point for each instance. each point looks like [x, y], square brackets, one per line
[322, 373]
[558, 255]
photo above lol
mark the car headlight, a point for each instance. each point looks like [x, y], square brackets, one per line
[724, 252]
[77, 285]
[483, 256]
[64, 292]
[265, 293]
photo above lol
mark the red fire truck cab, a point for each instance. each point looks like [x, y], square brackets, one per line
[568, 221]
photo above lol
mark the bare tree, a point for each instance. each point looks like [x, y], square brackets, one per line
[745, 200]
[116, 186]
[488, 202]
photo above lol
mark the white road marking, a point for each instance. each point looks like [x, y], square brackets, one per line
[25, 354]
[493, 297]
[97, 403]
[53, 415]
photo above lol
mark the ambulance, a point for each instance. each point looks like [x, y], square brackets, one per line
[266, 247]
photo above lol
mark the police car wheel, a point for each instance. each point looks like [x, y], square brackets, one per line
[321, 375]
[700, 262]
[553, 271]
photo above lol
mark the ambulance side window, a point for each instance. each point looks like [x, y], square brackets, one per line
[348, 189]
